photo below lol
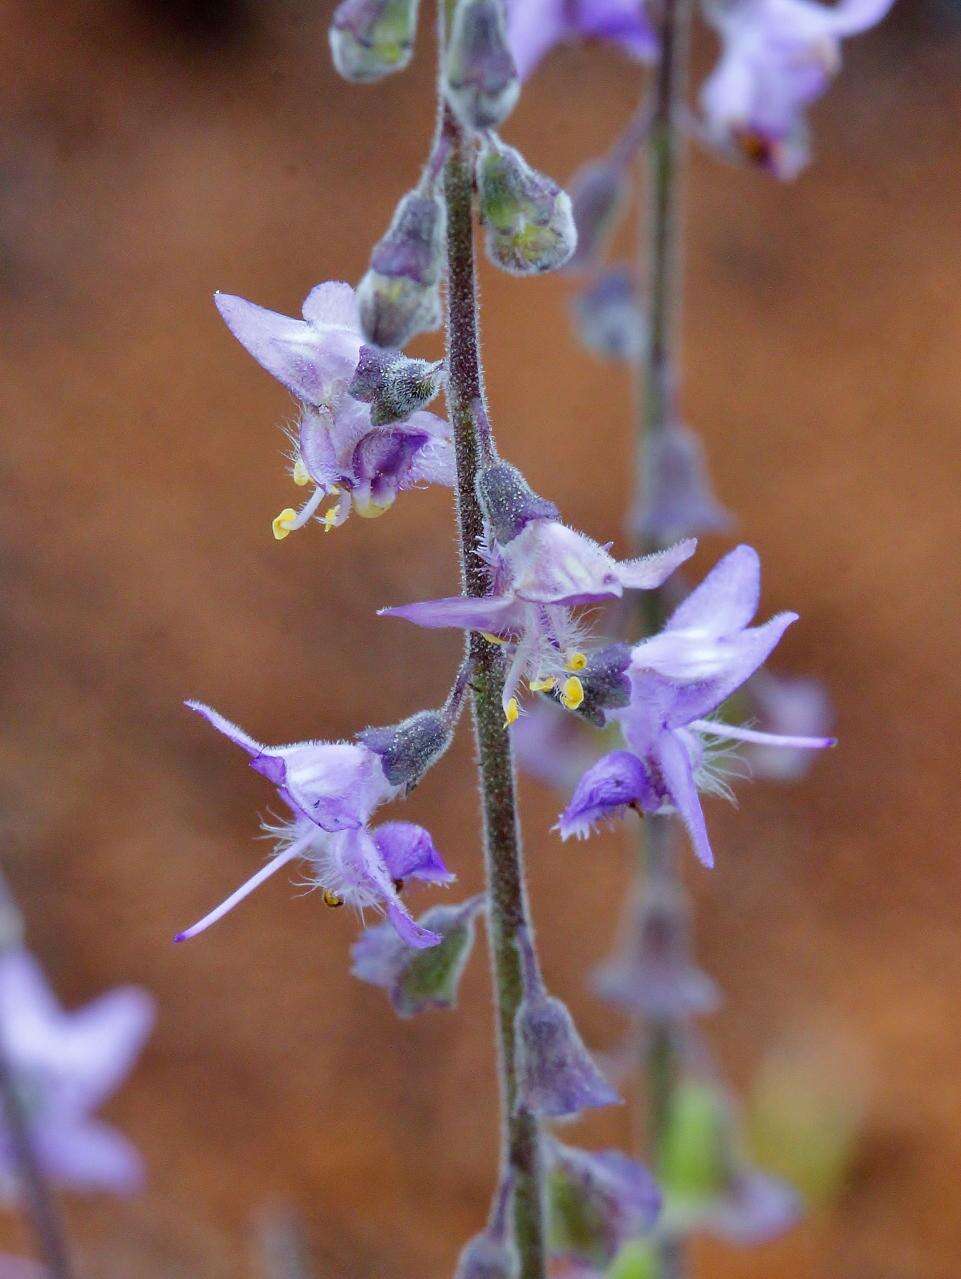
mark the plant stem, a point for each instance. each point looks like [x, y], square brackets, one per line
[506, 893]
[39, 1202]
[656, 408]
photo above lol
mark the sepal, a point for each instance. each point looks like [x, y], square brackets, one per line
[529, 224]
[482, 84]
[370, 39]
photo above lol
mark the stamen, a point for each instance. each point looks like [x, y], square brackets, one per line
[295, 850]
[511, 712]
[717, 729]
[301, 475]
[576, 662]
[329, 518]
[333, 900]
[572, 693]
[542, 685]
[491, 639]
[282, 524]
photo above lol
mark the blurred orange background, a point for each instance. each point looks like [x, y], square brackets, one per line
[151, 153]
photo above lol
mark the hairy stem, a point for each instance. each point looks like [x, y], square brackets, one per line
[38, 1199]
[656, 401]
[506, 893]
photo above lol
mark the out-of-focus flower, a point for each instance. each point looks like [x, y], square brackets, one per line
[341, 450]
[539, 570]
[598, 1201]
[707, 1182]
[333, 789]
[786, 705]
[706, 650]
[777, 57]
[556, 1075]
[681, 502]
[607, 318]
[491, 1254]
[652, 973]
[370, 39]
[534, 27]
[416, 980]
[63, 1066]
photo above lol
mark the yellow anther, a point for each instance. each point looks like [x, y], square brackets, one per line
[329, 518]
[372, 510]
[542, 685]
[332, 899]
[511, 712]
[492, 639]
[301, 475]
[572, 693]
[577, 661]
[281, 523]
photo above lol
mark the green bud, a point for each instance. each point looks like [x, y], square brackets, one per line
[528, 219]
[370, 39]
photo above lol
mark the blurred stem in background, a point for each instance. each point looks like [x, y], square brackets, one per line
[506, 893]
[38, 1199]
[661, 268]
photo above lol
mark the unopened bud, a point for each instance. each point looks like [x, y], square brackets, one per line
[607, 318]
[509, 502]
[556, 1075]
[371, 38]
[393, 385]
[597, 191]
[482, 81]
[399, 296]
[408, 749]
[530, 227]
[416, 980]
[491, 1254]
[605, 682]
[598, 1201]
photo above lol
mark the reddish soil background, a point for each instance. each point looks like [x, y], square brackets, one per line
[152, 153]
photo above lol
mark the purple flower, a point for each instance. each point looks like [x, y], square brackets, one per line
[556, 1075]
[652, 973]
[777, 57]
[338, 448]
[332, 790]
[681, 501]
[598, 1201]
[678, 677]
[417, 980]
[786, 704]
[534, 27]
[539, 570]
[64, 1065]
[315, 357]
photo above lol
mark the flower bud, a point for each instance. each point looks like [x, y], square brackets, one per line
[509, 503]
[482, 83]
[393, 385]
[416, 980]
[491, 1254]
[605, 682]
[372, 38]
[530, 227]
[606, 316]
[598, 1201]
[408, 749]
[399, 296]
[597, 191]
[556, 1075]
